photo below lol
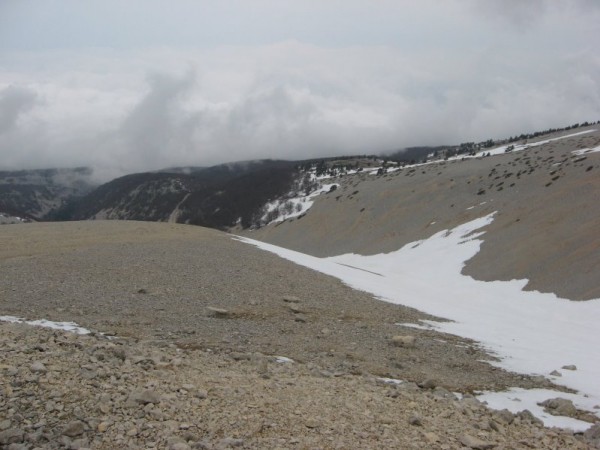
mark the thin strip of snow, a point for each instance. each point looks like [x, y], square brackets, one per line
[283, 359]
[391, 380]
[531, 332]
[519, 147]
[503, 148]
[417, 326]
[585, 151]
[66, 326]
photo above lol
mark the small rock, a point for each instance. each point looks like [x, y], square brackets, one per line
[145, 397]
[231, 442]
[11, 436]
[556, 373]
[290, 299]
[496, 427]
[201, 393]
[5, 424]
[430, 437]
[11, 371]
[385, 420]
[218, 312]
[38, 367]
[472, 442]
[179, 446]
[80, 444]
[527, 416]
[18, 447]
[504, 416]
[104, 408]
[570, 367]
[404, 341]
[239, 356]
[311, 423]
[103, 426]
[443, 393]
[592, 435]
[73, 429]
[429, 383]
[295, 309]
[415, 420]
[560, 407]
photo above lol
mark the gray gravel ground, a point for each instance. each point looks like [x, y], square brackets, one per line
[158, 283]
[60, 390]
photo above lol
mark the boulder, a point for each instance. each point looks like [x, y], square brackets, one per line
[559, 407]
[472, 442]
[73, 429]
[404, 341]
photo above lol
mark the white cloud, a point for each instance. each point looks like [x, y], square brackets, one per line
[378, 76]
[14, 101]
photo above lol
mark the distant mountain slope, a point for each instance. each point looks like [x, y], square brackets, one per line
[37, 194]
[546, 228]
[217, 197]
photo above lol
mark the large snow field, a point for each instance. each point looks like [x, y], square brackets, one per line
[530, 332]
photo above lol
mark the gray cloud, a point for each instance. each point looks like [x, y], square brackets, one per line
[14, 101]
[451, 72]
[158, 124]
[522, 16]
[517, 13]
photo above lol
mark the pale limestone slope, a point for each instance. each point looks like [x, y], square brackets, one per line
[547, 226]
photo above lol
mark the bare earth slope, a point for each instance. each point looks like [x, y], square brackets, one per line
[199, 320]
[545, 229]
[158, 282]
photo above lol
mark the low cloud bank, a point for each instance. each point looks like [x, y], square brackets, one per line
[123, 111]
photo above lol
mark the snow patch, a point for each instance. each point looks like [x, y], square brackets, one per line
[530, 332]
[585, 151]
[519, 147]
[66, 326]
[391, 380]
[295, 206]
[418, 326]
[283, 359]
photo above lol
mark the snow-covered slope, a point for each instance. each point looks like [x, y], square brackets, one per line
[499, 245]
[530, 332]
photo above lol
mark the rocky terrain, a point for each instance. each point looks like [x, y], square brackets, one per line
[62, 390]
[212, 343]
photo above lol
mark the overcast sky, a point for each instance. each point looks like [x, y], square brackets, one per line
[134, 85]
